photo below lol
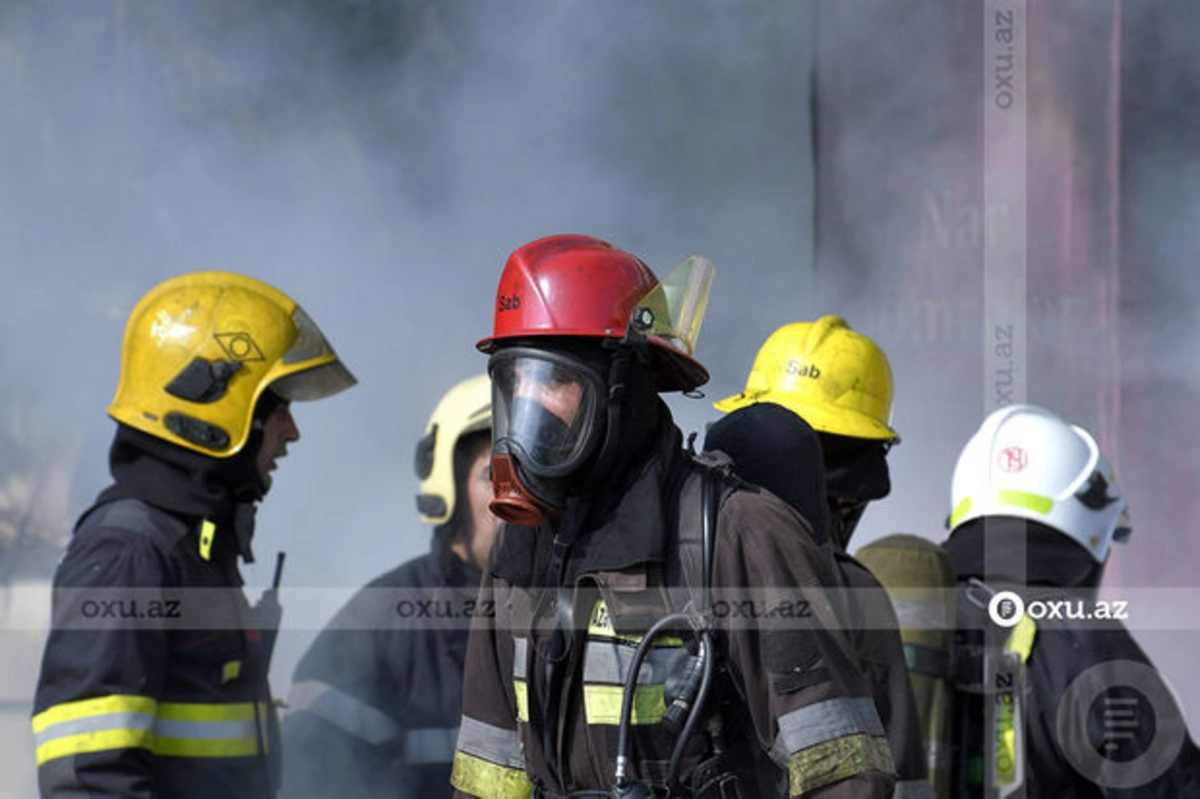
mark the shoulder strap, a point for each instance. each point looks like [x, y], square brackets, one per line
[707, 482]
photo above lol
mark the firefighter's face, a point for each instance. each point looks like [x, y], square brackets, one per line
[279, 430]
[559, 391]
[479, 494]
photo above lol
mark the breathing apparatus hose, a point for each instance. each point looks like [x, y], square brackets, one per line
[694, 713]
[623, 782]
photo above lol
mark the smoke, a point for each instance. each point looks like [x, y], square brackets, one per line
[377, 161]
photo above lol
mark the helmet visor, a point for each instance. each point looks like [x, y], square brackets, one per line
[544, 409]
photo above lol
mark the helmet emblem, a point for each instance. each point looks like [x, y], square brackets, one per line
[1012, 459]
[239, 346]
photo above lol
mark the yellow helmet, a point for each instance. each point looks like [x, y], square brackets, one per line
[837, 380]
[466, 408]
[201, 348]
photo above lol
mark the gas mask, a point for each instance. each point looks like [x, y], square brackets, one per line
[547, 411]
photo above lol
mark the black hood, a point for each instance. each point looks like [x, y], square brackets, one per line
[774, 448]
[856, 468]
[1050, 557]
[188, 483]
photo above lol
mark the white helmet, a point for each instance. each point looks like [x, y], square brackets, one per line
[1025, 461]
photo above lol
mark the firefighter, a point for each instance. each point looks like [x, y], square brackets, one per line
[587, 466]
[820, 394]
[154, 675]
[376, 700]
[1036, 507]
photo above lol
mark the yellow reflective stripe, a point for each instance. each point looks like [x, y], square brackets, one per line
[1017, 499]
[1020, 640]
[600, 626]
[94, 725]
[602, 704]
[1023, 499]
[100, 706]
[521, 689]
[207, 533]
[138, 722]
[478, 777]
[191, 729]
[231, 670]
[826, 763]
[960, 510]
[197, 711]
[201, 747]
[1006, 742]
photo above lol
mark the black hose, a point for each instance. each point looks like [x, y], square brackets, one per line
[707, 655]
[631, 680]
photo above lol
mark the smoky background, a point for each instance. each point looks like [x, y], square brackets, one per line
[378, 160]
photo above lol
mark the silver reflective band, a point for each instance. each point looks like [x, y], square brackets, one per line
[493, 744]
[825, 721]
[610, 662]
[430, 745]
[206, 730]
[351, 715]
[913, 789]
[520, 657]
[96, 724]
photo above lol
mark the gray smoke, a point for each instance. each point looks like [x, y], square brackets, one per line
[378, 161]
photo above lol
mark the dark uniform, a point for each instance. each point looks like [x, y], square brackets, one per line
[773, 447]
[376, 700]
[154, 678]
[795, 706]
[1150, 753]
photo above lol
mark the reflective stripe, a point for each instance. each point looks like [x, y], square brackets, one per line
[1017, 499]
[478, 777]
[826, 721]
[1020, 640]
[78, 734]
[520, 686]
[114, 703]
[841, 758]
[602, 704]
[1023, 499]
[138, 722]
[520, 657]
[347, 713]
[913, 789]
[960, 510]
[494, 744]
[609, 662]
[430, 745]
[194, 729]
[521, 691]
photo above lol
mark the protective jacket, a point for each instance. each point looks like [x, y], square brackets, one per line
[545, 677]
[774, 448]
[376, 700]
[154, 676]
[1077, 711]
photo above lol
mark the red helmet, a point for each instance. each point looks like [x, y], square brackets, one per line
[579, 286]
